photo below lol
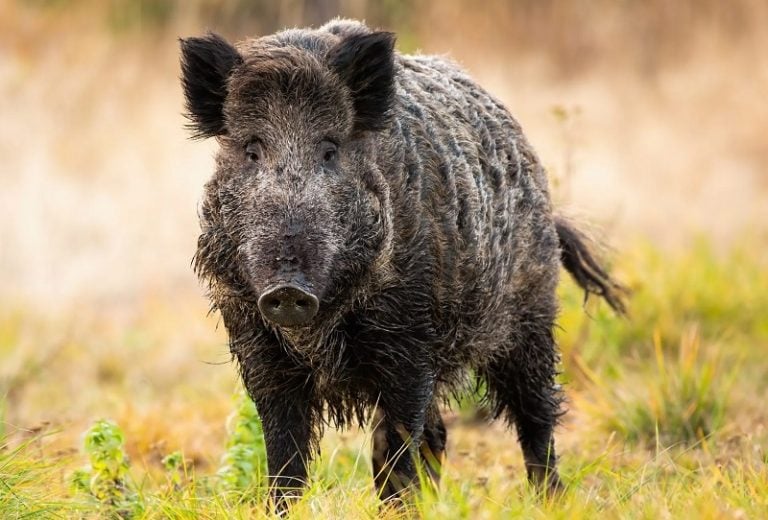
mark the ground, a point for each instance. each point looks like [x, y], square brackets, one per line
[666, 415]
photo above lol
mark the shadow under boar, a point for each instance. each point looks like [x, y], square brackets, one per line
[376, 230]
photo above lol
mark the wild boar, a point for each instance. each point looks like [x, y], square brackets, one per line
[377, 235]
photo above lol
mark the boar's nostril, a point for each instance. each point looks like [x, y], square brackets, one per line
[288, 305]
[273, 303]
[304, 303]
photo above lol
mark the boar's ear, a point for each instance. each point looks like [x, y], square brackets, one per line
[206, 64]
[366, 63]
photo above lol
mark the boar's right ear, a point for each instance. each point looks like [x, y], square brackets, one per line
[366, 63]
[206, 64]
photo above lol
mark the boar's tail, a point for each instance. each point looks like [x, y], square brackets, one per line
[580, 262]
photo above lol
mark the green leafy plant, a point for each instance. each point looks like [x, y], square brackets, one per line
[244, 464]
[105, 478]
[175, 468]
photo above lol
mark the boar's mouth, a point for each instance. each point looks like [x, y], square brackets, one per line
[288, 305]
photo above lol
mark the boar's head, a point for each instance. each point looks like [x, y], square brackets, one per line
[296, 212]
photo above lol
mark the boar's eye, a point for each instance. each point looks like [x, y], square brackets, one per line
[253, 152]
[328, 153]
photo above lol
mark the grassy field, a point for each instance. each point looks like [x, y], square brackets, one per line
[666, 420]
[118, 397]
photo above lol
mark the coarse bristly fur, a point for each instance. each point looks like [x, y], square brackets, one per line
[407, 200]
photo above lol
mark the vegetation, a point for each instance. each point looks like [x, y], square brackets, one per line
[244, 464]
[105, 478]
[666, 419]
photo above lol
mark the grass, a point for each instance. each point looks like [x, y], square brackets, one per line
[666, 415]
[679, 399]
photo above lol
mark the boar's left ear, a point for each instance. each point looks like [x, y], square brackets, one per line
[366, 63]
[206, 64]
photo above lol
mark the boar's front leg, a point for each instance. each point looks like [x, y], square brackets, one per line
[288, 423]
[433, 443]
[398, 433]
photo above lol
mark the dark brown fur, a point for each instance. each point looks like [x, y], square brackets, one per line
[428, 237]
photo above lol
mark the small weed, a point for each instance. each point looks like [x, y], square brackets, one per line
[244, 464]
[105, 479]
[175, 468]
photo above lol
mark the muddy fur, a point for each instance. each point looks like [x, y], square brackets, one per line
[427, 235]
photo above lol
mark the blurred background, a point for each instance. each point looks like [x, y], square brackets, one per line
[650, 115]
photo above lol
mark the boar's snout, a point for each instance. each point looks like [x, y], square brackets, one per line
[288, 305]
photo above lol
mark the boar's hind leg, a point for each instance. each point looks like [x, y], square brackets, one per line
[523, 388]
